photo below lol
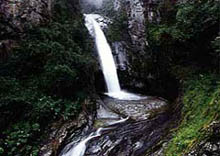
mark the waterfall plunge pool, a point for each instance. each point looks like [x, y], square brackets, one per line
[103, 141]
[123, 95]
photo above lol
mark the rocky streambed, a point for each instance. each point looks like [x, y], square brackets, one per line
[129, 128]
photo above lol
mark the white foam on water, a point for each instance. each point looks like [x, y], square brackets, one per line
[107, 61]
[79, 149]
[123, 95]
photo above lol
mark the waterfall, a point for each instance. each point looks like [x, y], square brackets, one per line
[107, 60]
[105, 55]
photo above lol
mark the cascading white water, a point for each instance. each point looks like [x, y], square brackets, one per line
[106, 57]
[79, 149]
[107, 61]
[111, 78]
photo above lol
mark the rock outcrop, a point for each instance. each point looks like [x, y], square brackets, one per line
[59, 133]
[17, 14]
[209, 145]
[151, 13]
[138, 12]
[120, 55]
[136, 23]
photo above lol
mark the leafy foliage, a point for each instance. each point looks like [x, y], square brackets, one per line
[185, 33]
[201, 106]
[185, 44]
[116, 30]
[216, 46]
[45, 79]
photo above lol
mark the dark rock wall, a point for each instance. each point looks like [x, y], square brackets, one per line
[151, 11]
[136, 23]
[136, 68]
[16, 14]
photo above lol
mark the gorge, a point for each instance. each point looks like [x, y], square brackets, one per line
[114, 90]
[109, 78]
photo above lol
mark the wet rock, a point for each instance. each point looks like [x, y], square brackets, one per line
[136, 23]
[160, 151]
[117, 5]
[128, 137]
[105, 116]
[120, 55]
[59, 132]
[131, 138]
[210, 146]
[152, 14]
[136, 109]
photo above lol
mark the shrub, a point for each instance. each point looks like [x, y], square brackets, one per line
[46, 79]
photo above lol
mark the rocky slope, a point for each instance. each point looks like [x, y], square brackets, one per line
[16, 15]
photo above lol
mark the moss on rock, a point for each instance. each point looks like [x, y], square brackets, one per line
[201, 101]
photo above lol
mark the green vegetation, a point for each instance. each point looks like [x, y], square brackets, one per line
[185, 34]
[185, 44]
[201, 101]
[116, 30]
[49, 75]
[46, 78]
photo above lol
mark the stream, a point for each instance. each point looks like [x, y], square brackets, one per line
[114, 134]
[126, 124]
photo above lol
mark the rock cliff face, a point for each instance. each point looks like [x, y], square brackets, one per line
[151, 12]
[16, 14]
[211, 144]
[138, 12]
[134, 71]
[136, 23]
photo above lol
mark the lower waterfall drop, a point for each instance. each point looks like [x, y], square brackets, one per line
[80, 148]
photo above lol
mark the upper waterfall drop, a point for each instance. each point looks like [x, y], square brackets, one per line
[107, 60]
[105, 54]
